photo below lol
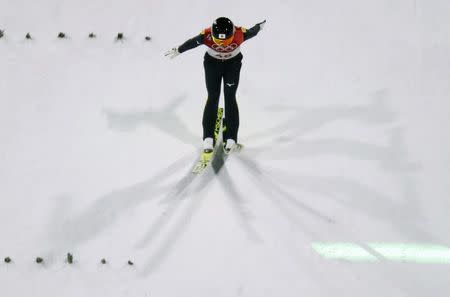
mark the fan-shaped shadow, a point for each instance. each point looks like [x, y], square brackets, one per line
[105, 211]
[164, 120]
[304, 120]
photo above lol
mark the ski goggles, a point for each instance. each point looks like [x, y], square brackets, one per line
[223, 41]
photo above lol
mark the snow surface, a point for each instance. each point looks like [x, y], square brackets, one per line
[344, 117]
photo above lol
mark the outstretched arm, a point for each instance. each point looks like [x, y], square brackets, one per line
[189, 44]
[253, 31]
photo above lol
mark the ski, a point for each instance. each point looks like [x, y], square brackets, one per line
[202, 164]
[206, 157]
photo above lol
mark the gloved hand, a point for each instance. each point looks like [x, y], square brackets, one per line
[172, 53]
[261, 25]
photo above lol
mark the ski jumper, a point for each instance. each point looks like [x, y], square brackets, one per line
[221, 62]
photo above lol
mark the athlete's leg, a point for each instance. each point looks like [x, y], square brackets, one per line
[213, 78]
[231, 82]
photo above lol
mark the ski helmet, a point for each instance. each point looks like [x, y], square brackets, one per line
[222, 28]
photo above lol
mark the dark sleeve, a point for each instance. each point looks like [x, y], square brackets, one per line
[191, 43]
[252, 32]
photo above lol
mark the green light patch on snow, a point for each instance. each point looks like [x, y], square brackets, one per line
[373, 252]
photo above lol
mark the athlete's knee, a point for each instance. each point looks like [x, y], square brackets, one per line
[230, 93]
[213, 97]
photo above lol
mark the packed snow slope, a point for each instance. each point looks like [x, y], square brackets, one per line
[344, 117]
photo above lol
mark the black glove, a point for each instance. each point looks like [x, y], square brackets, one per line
[261, 25]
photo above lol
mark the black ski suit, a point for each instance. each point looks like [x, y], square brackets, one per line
[220, 66]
